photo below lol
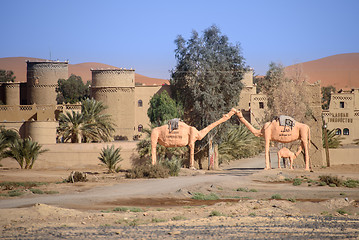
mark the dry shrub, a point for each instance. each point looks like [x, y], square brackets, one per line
[148, 171]
[76, 176]
[331, 180]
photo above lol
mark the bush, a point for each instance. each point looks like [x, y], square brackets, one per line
[26, 185]
[276, 196]
[215, 213]
[77, 177]
[239, 143]
[148, 171]
[350, 183]
[330, 180]
[201, 196]
[36, 191]
[174, 165]
[15, 193]
[110, 157]
[297, 181]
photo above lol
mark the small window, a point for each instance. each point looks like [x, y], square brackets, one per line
[341, 104]
[140, 128]
[338, 131]
[345, 131]
[139, 103]
[261, 105]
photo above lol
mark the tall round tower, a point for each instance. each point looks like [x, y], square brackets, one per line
[116, 89]
[42, 80]
[12, 93]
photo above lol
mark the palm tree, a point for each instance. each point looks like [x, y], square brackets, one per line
[89, 125]
[334, 140]
[74, 127]
[92, 111]
[239, 143]
[110, 157]
[3, 146]
[7, 136]
[24, 151]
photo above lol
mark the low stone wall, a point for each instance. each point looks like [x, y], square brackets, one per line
[345, 155]
[78, 156]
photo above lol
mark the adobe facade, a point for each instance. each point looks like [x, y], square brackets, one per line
[31, 109]
[343, 114]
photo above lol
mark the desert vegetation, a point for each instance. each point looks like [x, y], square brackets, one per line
[110, 157]
[89, 125]
[24, 151]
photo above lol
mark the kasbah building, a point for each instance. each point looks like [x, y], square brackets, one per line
[31, 109]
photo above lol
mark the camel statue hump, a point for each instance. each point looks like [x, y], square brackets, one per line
[173, 124]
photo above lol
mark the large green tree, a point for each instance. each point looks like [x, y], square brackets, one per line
[72, 90]
[207, 78]
[7, 76]
[163, 108]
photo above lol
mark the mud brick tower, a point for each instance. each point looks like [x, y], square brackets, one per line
[42, 80]
[116, 89]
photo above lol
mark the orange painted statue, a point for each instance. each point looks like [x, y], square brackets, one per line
[287, 132]
[286, 153]
[179, 134]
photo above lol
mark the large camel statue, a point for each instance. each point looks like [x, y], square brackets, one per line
[182, 136]
[273, 131]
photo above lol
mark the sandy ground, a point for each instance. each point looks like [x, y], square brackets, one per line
[131, 209]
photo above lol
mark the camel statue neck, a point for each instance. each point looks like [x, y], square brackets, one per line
[256, 132]
[204, 131]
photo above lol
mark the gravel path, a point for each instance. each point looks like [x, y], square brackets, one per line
[241, 228]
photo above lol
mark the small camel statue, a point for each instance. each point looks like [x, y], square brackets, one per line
[273, 131]
[286, 153]
[182, 136]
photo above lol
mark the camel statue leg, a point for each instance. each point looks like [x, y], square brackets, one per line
[191, 155]
[154, 139]
[306, 152]
[291, 158]
[279, 157]
[267, 143]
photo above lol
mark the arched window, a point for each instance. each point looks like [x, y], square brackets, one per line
[346, 131]
[140, 128]
[338, 131]
[139, 103]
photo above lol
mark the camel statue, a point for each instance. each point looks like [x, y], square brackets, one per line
[182, 136]
[273, 131]
[286, 153]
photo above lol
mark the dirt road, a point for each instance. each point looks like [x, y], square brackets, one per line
[112, 207]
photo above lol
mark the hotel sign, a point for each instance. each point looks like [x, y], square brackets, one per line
[339, 118]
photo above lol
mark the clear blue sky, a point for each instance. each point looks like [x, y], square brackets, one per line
[140, 34]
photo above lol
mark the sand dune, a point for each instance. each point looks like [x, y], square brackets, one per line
[340, 71]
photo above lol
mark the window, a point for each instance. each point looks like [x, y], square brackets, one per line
[345, 131]
[140, 128]
[139, 103]
[338, 131]
[341, 104]
[261, 105]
